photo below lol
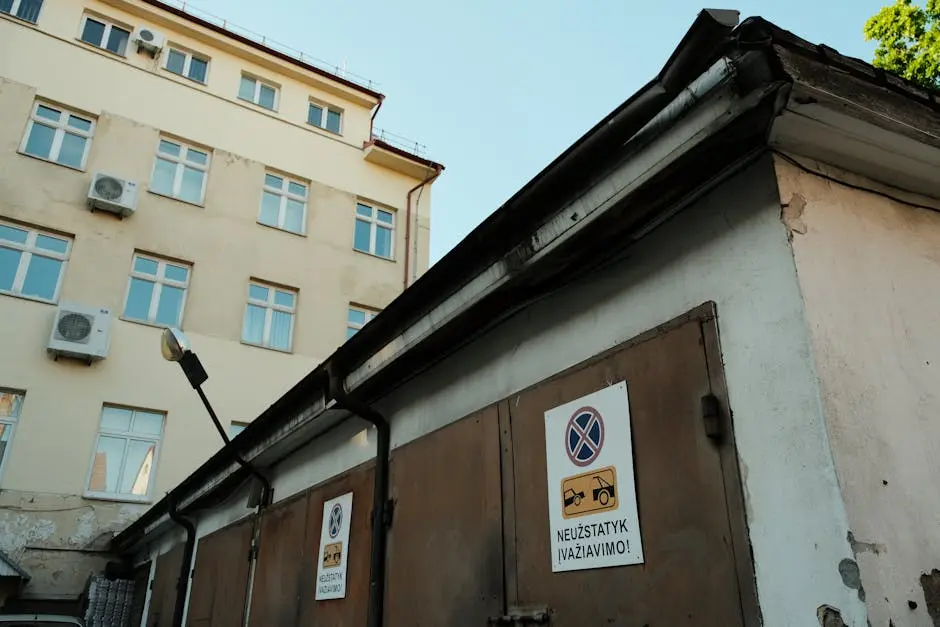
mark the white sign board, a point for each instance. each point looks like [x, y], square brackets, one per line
[591, 487]
[334, 548]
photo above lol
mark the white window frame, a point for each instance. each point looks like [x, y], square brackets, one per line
[324, 115]
[157, 440]
[284, 193]
[159, 281]
[369, 313]
[106, 35]
[181, 165]
[28, 250]
[270, 307]
[15, 7]
[61, 128]
[10, 422]
[256, 97]
[374, 224]
[186, 63]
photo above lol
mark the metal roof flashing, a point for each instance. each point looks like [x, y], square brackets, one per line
[705, 116]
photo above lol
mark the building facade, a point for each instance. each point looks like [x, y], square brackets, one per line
[744, 256]
[260, 215]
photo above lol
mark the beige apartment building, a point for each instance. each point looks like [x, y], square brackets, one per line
[160, 169]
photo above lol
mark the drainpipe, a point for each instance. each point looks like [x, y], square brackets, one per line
[430, 179]
[182, 584]
[381, 507]
[375, 113]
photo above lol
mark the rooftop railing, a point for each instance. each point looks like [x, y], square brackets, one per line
[398, 141]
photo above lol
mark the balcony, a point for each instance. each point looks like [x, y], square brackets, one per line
[400, 154]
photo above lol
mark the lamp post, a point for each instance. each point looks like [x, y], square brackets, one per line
[175, 347]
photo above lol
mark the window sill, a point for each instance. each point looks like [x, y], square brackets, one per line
[256, 105]
[188, 79]
[147, 323]
[118, 498]
[365, 252]
[287, 351]
[201, 205]
[85, 44]
[18, 20]
[34, 299]
[277, 228]
[325, 130]
[44, 160]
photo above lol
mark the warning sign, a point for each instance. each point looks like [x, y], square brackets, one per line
[334, 548]
[591, 486]
[589, 492]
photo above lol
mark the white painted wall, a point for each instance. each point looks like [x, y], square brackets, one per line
[731, 248]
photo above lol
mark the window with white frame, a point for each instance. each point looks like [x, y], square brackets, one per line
[125, 458]
[257, 91]
[375, 231]
[269, 316]
[32, 263]
[356, 318]
[187, 64]
[10, 404]
[26, 10]
[326, 117]
[283, 203]
[156, 292]
[105, 35]
[58, 135]
[235, 428]
[180, 171]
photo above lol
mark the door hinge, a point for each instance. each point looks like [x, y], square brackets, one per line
[519, 617]
[711, 417]
[253, 551]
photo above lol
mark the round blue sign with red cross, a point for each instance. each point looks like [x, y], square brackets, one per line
[584, 436]
[336, 520]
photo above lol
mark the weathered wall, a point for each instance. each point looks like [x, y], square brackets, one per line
[869, 269]
[729, 247]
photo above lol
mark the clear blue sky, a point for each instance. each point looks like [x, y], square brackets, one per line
[498, 88]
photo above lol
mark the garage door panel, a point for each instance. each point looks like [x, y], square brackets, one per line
[220, 577]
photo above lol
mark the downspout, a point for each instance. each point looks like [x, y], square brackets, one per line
[372, 119]
[381, 508]
[427, 181]
[182, 584]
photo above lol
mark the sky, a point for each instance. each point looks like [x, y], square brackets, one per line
[496, 89]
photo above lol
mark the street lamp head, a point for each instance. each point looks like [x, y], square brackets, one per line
[173, 344]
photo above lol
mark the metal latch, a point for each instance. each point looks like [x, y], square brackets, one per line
[520, 616]
[711, 416]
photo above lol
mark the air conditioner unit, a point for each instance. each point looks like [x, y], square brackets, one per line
[149, 40]
[109, 193]
[80, 332]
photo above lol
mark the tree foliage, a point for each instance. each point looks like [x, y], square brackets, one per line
[908, 37]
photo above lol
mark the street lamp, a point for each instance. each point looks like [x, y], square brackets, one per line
[175, 347]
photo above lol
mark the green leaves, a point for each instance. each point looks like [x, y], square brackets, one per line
[908, 37]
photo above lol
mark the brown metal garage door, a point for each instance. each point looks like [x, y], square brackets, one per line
[220, 577]
[163, 593]
[696, 569]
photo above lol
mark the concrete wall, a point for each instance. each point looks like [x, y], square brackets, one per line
[869, 269]
[730, 247]
[45, 523]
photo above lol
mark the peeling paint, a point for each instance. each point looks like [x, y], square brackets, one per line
[930, 582]
[851, 576]
[865, 547]
[791, 214]
[829, 617]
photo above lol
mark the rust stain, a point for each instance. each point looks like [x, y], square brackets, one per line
[791, 214]
[930, 582]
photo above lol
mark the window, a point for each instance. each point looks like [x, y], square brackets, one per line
[283, 203]
[105, 35]
[10, 404]
[269, 316]
[187, 64]
[375, 230]
[32, 263]
[180, 172]
[262, 94]
[27, 10]
[235, 428]
[58, 135]
[356, 318]
[126, 453]
[326, 117]
[157, 291]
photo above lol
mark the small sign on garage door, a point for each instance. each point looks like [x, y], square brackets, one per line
[334, 548]
[591, 487]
